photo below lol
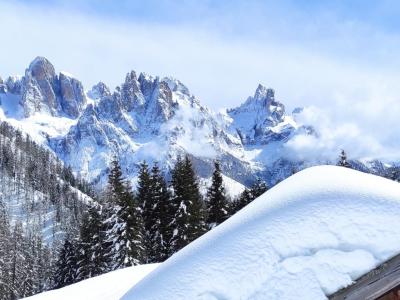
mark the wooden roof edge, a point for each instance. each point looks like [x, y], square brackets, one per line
[373, 284]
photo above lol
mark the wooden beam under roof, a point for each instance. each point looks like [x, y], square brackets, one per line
[374, 284]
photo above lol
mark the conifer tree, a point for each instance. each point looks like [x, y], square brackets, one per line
[189, 219]
[91, 245]
[66, 266]
[161, 229]
[258, 188]
[217, 203]
[21, 271]
[148, 205]
[116, 187]
[124, 223]
[134, 231]
[43, 266]
[343, 160]
[244, 199]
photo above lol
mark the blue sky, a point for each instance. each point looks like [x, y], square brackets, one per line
[341, 58]
[309, 51]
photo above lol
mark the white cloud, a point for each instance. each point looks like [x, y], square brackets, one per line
[334, 132]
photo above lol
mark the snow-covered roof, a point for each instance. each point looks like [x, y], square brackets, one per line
[109, 286]
[306, 238]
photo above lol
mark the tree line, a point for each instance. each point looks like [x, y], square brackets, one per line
[126, 229]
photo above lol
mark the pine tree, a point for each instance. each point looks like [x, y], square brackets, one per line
[116, 186]
[343, 160]
[98, 241]
[244, 199]
[217, 203]
[161, 229]
[148, 205]
[67, 264]
[258, 188]
[43, 266]
[21, 271]
[91, 245]
[189, 219]
[124, 223]
[135, 228]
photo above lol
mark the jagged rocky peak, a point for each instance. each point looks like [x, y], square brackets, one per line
[72, 95]
[263, 102]
[99, 91]
[160, 106]
[42, 69]
[176, 86]
[45, 92]
[39, 88]
[263, 94]
[263, 97]
[131, 94]
[147, 85]
[254, 119]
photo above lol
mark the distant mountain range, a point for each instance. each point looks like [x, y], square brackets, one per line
[154, 119]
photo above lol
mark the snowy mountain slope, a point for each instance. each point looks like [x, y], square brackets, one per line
[307, 237]
[36, 211]
[112, 285]
[232, 187]
[36, 190]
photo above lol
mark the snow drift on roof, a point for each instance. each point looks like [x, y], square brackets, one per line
[307, 237]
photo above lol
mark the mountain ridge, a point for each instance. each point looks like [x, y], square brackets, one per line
[154, 119]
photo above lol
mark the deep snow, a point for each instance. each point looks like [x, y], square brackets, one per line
[307, 237]
[104, 287]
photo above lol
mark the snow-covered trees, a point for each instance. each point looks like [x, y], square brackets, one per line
[124, 224]
[38, 201]
[67, 264]
[217, 203]
[343, 160]
[91, 252]
[162, 228]
[157, 212]
[23, 261]
[189, 219]
[148, 206]
[258, 188]
[5, 247]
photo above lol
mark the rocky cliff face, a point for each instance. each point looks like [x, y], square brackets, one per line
[156, 119]
[41, 90]
[255, 118]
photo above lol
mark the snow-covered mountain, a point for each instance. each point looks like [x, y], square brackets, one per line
[150, 118]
